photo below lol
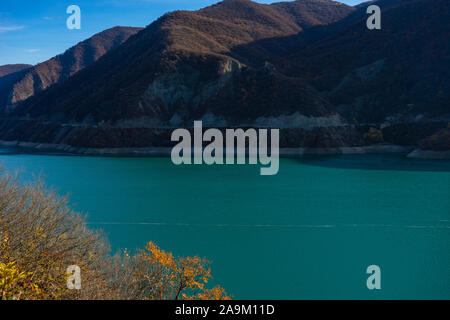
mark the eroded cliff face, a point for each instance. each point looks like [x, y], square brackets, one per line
[171, 97]
[237, 95]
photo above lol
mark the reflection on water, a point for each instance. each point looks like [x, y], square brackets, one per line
[375, 162]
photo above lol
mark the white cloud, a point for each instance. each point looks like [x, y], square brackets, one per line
[10, 28]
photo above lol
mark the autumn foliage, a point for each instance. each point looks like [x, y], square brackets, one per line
[40, 236]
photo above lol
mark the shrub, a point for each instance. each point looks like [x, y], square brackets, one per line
[40, 236]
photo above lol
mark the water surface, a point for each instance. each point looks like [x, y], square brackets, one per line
[308, 233]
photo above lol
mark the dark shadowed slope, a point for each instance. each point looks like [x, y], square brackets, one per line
[401, 71]
[35, 79]
[398, 75]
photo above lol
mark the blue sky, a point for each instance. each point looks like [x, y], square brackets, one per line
[34, 31]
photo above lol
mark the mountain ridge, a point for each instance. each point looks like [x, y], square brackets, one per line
[12, 68]
[41, 76]
[167, 46]
[327, 83]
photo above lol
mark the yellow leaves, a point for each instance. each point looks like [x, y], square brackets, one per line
[216, 293]
[35, 288]
[4, 246]
[154, 254]
[40, 236]
[173, 277]
[4, 240]
[156, 273]
[15, 283]
[4, 237]
[193, 272]
[10, 276]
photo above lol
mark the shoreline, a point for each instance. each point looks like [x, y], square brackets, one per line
[429, 154]
[410, 152]
[46, 148]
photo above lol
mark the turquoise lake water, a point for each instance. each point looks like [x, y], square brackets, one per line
[309, 232]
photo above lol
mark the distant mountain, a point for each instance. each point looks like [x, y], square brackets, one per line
[180, 62]
[309, 67]
[12, 68]
[28, 80]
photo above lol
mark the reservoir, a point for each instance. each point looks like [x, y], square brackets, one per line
[309, 232]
